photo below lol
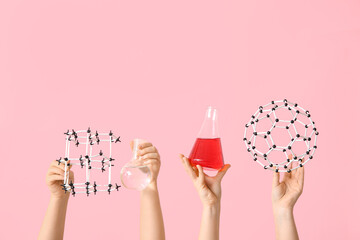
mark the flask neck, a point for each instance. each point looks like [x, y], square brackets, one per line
[209, 128]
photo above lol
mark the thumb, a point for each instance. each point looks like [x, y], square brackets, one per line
[222, 172]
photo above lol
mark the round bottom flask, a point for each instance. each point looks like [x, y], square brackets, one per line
[134, 175]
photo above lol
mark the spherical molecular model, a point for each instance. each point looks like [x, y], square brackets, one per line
[281, 136]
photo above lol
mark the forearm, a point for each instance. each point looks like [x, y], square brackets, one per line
[209, 229]
[54, 220]
[151, 219]
[285, 224]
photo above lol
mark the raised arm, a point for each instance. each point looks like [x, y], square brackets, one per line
[285, 193]
[54, 221]
[151, 219]
[209, 190]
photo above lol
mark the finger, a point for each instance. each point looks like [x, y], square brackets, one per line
[144, 151]
[222, 171]
[56, 171]
[293, 172]
[54, 178]
[144, 145]
[57, 164]
[201, 173]
[299, 164]
[151, 162]
[185, 163]
[300, 175]
[132, 145]
[276, 179]
[54, 163]
[293, 165]
[72, 177]
[140, 142]
[149, 156]
[188, 167]
[288, 174]
[61, 165]
[196, 170]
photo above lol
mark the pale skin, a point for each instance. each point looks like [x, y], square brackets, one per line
[151, 219]
[209, 190]
[285, 193]
[54, 221]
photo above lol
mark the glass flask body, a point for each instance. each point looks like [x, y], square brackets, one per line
[134, 175]
[207, 150]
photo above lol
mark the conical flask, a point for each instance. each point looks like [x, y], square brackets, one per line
[135, 175]
[207, 151]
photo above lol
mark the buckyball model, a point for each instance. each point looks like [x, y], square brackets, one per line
[281, 133]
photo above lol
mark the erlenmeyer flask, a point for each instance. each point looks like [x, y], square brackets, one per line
[134, 175]
[207, 151]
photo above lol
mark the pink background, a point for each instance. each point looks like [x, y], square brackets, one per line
[149, 69]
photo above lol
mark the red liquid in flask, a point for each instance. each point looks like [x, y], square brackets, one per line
[207, 152]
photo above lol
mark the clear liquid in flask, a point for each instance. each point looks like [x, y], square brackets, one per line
[135, 177]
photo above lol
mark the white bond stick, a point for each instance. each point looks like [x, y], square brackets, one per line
[262, 114]
[67, 156]
[89, 162]
[87, 152]
[110, 142]
[66, 152]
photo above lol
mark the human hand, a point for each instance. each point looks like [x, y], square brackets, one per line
[286, 193]
[149, 156]
[55, 177]
[208, 188]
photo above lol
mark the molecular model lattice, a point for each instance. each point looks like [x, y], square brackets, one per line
[89, 161]
[281, 136]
